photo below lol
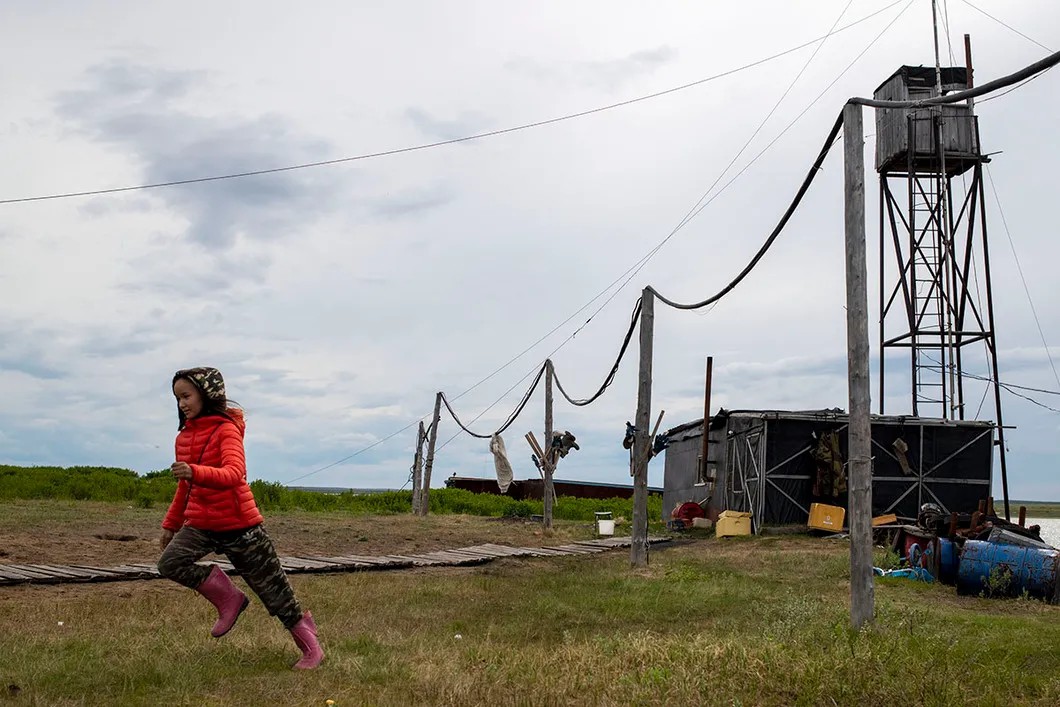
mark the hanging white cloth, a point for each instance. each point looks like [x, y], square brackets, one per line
[500, 461]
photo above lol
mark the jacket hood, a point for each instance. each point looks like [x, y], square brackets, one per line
[234, 415]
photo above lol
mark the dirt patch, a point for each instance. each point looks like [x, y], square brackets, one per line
[60, 532]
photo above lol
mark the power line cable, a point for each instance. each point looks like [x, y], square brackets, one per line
[614, 369]
[441, 143]
[1013, 389]
[692, 213]
[1004, 24]
[1023, 279]
[511, 418]
[1037, 67]
[989, 87]
[632, 271]
[946, 28]
[829, 141]
[1018, 86]
[359, 452]
[700, 205]
[607, 382]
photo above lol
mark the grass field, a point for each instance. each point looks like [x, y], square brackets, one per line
[1035, 509]
[734, 622]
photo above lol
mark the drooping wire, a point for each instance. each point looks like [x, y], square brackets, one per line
[701, 205]
[632, 271]
[614, 369]
[441, 143]
[829, 141]
[721, 175]
[832, 138]
[511, 418]
[640, 264]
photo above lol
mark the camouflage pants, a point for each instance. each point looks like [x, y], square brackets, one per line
[250, 551]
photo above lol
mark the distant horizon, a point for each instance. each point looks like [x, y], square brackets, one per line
[1012, 501]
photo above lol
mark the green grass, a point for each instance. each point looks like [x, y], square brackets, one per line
[761, 621]
[156, 489]
[1035, 509]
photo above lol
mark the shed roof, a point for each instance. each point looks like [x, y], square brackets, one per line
[695, 427]
[925, 76]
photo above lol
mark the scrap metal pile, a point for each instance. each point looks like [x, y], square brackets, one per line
[981, 553]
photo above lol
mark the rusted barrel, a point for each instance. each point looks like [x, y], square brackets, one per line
[993, 569]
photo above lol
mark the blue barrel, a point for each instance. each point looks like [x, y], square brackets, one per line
[1015, 569]
[948, 561]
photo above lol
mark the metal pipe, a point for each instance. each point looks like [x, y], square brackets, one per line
[704, 469]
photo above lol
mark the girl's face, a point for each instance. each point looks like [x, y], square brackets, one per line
[189, 398]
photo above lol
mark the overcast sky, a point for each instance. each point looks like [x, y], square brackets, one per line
[337, 300]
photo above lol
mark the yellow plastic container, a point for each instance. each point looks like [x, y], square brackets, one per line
[732, 523]
[825, 517]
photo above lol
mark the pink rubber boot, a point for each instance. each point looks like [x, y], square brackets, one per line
[224, 595]
[305, 636]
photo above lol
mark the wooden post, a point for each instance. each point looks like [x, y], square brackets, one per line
[638, 554]
[704, 470]
[426, 490]
[417, 469]
[547, 464]
[1023, 516]
[860, 430]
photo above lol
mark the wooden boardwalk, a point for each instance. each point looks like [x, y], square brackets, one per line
[474, 555]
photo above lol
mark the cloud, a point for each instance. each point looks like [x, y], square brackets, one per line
[29, 350]
[112, 343]
[608, 74]
[795, 366]
[410, 203]
[468, 123]
[146, 112]
[29, 365]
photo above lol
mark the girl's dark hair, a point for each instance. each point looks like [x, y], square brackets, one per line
[210, 406]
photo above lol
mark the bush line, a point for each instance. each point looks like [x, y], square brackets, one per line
[155, 489]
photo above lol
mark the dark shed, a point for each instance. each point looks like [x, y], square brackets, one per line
[773, 463]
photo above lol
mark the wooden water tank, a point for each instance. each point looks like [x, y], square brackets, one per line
[893, 143]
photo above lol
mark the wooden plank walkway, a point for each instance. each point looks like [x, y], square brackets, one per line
[474, 555]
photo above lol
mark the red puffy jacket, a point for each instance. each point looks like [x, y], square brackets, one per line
[218, 497]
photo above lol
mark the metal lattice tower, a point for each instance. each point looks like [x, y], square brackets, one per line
[935, 291]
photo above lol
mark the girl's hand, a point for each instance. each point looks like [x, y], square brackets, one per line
[181, 471]
[165, 538]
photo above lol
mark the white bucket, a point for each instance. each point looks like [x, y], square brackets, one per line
[605, 527]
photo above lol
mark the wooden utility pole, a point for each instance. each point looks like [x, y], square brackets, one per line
[638, 554]
[426, 490]
[859, 432]
[417, 469]
[547, 464]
